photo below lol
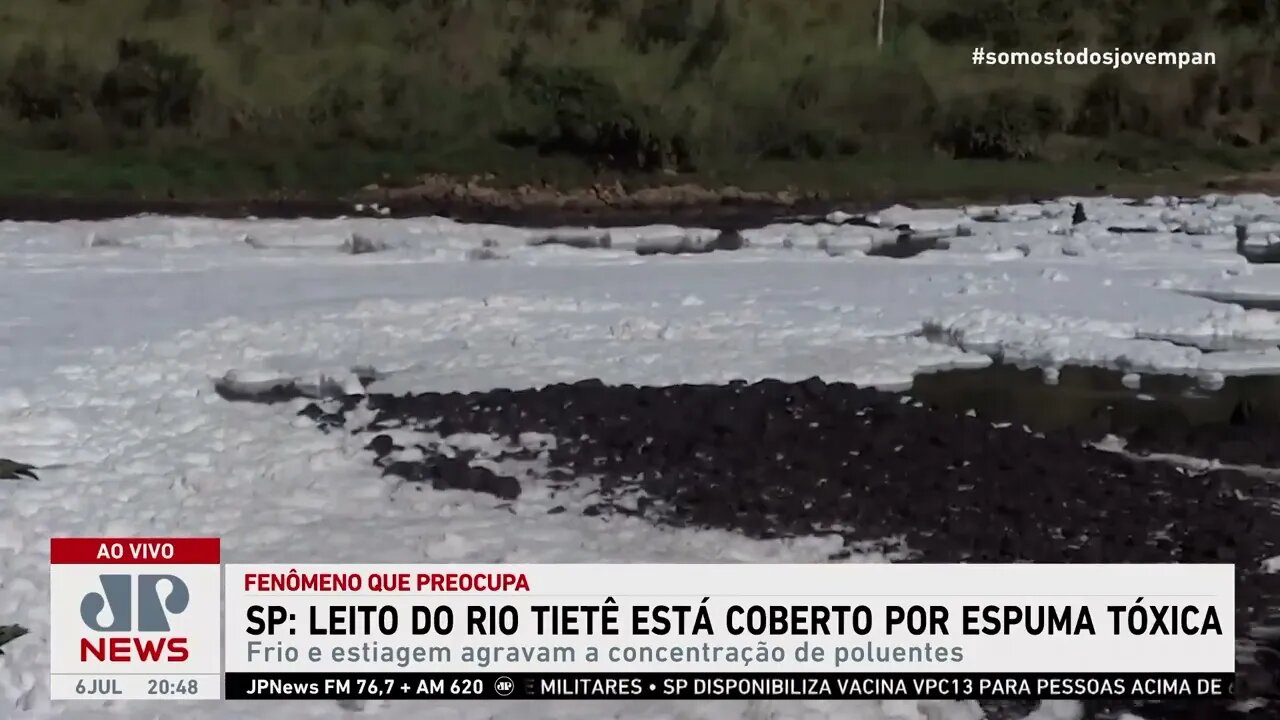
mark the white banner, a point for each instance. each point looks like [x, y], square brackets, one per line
[135, 619]
[731, 618]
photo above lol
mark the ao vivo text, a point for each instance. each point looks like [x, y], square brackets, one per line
[157, 595]
[135, 551]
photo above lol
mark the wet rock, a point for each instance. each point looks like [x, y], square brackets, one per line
[383, 445]
[728, 240]
[358, 244]
[579, 240]
[909, 244]
[9, 633]
[1135, 229]
[98, 240]
[13, 470]
[481, 254]
[267, 393]
[688, 244]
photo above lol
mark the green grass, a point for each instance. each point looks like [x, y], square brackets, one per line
[245, 97]
[235, 171]
[230, 173]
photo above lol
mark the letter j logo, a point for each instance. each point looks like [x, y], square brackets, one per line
[117, 599]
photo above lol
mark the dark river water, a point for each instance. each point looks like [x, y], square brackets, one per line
[1091, 399]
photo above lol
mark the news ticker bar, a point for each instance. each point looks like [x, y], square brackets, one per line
[723, 686]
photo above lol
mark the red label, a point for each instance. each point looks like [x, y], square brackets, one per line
[135, 551]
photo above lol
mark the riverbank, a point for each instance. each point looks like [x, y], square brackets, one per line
[124, 106]
[49, 186]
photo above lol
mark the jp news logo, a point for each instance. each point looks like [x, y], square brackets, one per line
[154, 610]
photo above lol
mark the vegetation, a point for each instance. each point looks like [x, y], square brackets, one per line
[245, 96]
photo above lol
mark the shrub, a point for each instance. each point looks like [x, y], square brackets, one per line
[1110, 105]
[891, 103]
[1002, 125]
[979, 20]
[39, 90]
[149, 87]
[574, 111]
[662, 23]
[163, 9]
[338, 111]
[811, 121]
[707, 45]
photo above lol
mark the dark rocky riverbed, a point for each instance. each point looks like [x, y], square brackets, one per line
[930, 481]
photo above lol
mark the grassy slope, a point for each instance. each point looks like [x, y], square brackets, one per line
[325, 97]
[194, 175]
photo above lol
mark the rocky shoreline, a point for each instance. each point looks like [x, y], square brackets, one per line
[720, 215]
[475, 200]
[478, 200]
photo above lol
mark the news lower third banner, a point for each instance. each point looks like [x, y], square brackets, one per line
[139, 618]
